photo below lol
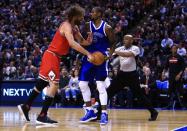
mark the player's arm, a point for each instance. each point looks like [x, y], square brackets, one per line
[125, 54]
[132, 53]
[78, 36]
[111, 37]
[67, 31]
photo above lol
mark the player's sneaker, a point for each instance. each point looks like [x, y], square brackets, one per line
[24, 111]
[104, 118]
[90, 115]
[45, 120]
[85, 109]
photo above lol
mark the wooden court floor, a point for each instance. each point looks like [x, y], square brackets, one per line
[119, 120]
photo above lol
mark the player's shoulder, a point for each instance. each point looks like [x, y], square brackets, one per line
[107, 25]
[108, 28]
[65, 24]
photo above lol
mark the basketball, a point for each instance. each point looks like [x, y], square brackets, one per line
[98, 58]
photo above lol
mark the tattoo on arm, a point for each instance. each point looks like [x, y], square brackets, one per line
[111, 36]
[87, 27]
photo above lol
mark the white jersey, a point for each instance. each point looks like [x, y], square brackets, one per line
[128, 64]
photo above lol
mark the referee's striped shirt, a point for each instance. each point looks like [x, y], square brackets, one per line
[128, 64]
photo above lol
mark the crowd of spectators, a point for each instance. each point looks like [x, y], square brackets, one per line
[164, 27]
[28, 26]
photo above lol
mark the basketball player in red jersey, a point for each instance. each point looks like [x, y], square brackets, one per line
[49, 73]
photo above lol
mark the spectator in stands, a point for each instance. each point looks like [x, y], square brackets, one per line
[63, 84]
[30, 71]
[148, 83]
[10, 71]
[181, 50]
[184, 9]
[167, 43]
[73, 88]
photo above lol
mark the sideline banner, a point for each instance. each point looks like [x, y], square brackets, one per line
[17, 92]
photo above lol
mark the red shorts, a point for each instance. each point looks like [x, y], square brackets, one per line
[50, 67]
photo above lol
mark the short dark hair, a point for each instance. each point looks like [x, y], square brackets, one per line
[99, 10]
[73, 11]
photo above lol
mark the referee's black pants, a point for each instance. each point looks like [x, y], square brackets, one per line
[130, 79]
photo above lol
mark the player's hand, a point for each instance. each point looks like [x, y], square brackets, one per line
[106, 58]
[90, 37]
[90, 58]
[76, 29]
[76, 32]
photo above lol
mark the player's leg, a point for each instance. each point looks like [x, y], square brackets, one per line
[89, 114]
[86, 75]
[134, 83]
[42, 117]
[40, 85]
[117, 84]
[52, 71]
[103, 97]
[101, 74]
[24, 108]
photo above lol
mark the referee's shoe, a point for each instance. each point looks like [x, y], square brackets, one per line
[154, 115]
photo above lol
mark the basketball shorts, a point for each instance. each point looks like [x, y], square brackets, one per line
[91, 72]
[50, 67]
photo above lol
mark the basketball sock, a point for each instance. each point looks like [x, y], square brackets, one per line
[101, 86]
[47, 102]
[31, 98]
[86, 94]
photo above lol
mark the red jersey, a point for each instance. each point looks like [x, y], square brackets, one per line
[59, 44]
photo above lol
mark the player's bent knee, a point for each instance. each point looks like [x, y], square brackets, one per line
[54, 86]
[83, 85]
[52, 89]
[101, 86]
[85, 91]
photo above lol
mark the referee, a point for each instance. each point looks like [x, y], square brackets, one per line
[128, 76]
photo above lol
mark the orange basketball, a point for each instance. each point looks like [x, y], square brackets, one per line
[98, 58]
